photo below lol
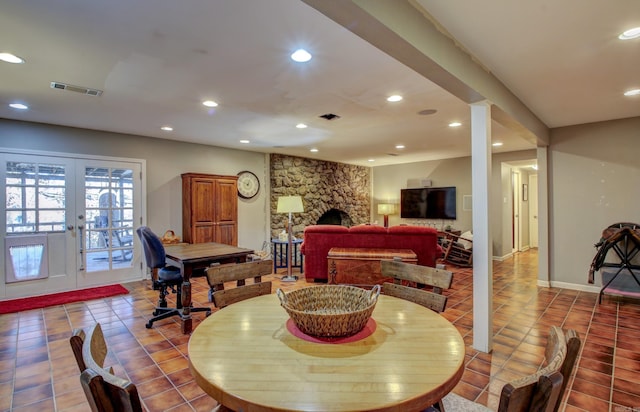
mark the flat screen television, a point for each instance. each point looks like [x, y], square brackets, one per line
[428, 203]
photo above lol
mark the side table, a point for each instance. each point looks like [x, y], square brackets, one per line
[281, 254]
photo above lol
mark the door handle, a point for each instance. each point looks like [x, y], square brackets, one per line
[81, 240]
[69, 227]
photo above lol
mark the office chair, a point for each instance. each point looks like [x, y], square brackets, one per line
[163, 276]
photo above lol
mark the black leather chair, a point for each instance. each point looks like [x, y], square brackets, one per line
[164, 277]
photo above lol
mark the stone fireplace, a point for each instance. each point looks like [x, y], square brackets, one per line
[334, 217]
[331, 192]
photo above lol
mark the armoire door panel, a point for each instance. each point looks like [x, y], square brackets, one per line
[203, 200]
[227, 205]
[227, 234]
[204, 234]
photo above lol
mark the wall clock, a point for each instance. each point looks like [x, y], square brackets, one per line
[248, 184]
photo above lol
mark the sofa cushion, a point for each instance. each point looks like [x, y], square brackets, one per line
[373, 229]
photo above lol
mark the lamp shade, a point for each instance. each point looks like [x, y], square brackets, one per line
[290, 204]
[386, 208]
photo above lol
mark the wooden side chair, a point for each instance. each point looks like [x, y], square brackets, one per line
[105, 391]
[541, 391]
[406, 273]
[239, 273]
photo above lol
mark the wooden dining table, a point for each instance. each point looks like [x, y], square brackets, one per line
[192, 256]
[250, 357]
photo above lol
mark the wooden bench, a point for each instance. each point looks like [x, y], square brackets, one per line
[361, 266]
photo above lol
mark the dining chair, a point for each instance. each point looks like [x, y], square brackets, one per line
[217, 275]
[105, 391]
[164, 277]
[407, 275]
[541, 391]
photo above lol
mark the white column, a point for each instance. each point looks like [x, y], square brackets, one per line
[482, 240]
[543, 217]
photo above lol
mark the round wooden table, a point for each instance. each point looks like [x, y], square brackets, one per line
[246, 358]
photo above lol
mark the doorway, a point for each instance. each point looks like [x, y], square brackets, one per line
[55, 238]
[515, 211]
[533, 210]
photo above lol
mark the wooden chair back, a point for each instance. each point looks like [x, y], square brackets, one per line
[405, 274]
[239, 273]
[573, 351]
[543, 390]
[76, 341]
[104, 391]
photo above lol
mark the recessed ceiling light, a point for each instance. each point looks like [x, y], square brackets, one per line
[301, 56]
[19, 106]
[394, 98]
[496, 144]
[245, 141]
[11, 58]
[399, 146]
[301, 126]
[632, 92]
[371, 160]
[167, 128]
[427, 112]
[455, 124]
[630, 34]
[314, 150]
[210, 103]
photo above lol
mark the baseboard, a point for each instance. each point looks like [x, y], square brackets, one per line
[543, 283]
[575, 286]
[503, 258]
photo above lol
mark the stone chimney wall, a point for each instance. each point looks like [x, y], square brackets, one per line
[322, 185]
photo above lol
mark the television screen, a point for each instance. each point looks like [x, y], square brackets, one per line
[428, 203]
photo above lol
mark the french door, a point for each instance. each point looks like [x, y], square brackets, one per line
[69, 223]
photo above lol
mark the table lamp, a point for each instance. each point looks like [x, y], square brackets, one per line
[386, 209]
[289, 204]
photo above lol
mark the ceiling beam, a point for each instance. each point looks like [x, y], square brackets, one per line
[406, 32]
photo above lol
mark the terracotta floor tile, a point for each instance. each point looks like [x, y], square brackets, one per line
[591, 389]
[203, 404]
[156, 359]
[626, 399]
[164, 400]
[36, 406]
[32, 395]
[586, 402]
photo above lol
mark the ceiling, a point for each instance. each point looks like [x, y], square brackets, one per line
[157, 60]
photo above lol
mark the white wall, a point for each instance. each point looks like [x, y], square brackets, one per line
[388, 180]
[166, 160]
[594, 182]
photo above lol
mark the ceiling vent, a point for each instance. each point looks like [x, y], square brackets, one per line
[77, 89]
[329, 116]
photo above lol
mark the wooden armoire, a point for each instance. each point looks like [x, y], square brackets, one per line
[209, 208]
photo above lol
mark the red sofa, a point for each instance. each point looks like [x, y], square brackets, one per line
[319, 239]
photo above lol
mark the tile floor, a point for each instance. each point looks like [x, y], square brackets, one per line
[38, 371]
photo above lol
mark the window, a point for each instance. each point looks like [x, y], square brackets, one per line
[35, 197]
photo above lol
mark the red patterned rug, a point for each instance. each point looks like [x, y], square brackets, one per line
[43, 301]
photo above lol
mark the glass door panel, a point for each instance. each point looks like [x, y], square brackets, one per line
[109, 203]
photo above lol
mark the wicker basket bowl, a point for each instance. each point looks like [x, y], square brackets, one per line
[330, 310]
